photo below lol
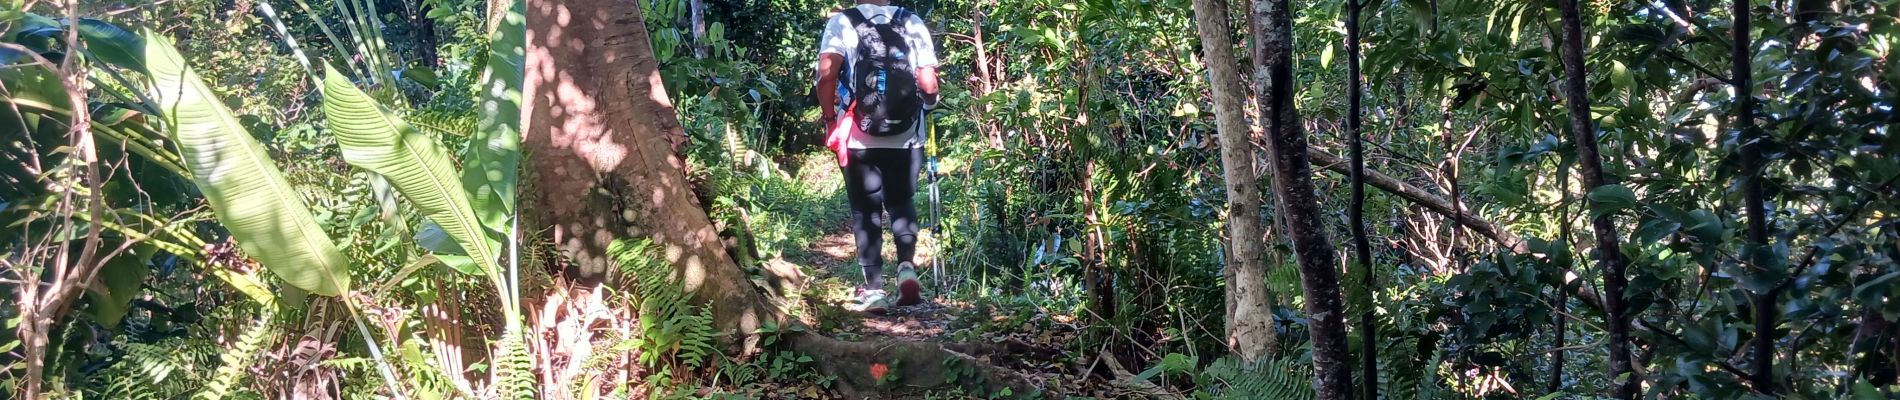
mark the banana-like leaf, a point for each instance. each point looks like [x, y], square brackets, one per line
[112, 44]
[494, 153]
[244, 186]
[416, 164]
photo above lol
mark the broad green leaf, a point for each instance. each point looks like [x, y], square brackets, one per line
[1608, 199]
[1620, 75]
[1326, 57]
[432, 238]
[246, 189]
[35, 32]
[375, 140]
[1864, 390]
[1878, 285]
[30, 83]
[463, 264]
[113, 44]
[1705, 226]
[492, 160]
[120, 279]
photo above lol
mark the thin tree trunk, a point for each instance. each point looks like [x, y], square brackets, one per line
[698, 21]
[1249, 318]
[1609, 251]
[1368, 331]
[1557, 359]
[1563, 296]
[424, 35]
[1762, 369]
[1293, 183]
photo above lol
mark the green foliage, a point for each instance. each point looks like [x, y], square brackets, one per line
[244, 186]
[1078, 164]
[173, 368]
[514, 368]
[1283, 378]
[235, 361]
[672, 330]
[491, 162]
[415, 164]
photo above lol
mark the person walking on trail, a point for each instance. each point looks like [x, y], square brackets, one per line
[875, 122]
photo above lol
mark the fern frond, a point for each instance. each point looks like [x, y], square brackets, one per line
[446, 123]
[1284, 378]
[234, 362]
[670, 327]
[163, 370]
[514, 369]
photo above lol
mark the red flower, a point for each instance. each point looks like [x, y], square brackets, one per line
[878, 371]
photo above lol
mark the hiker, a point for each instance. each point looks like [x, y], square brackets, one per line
[875, 122]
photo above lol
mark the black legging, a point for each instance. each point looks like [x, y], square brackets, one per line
[879, 180]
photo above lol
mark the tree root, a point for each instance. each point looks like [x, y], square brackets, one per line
[903, 369]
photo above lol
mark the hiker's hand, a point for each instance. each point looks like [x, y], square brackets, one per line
[827, 116]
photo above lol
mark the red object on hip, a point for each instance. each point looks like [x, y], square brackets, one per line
[839, 136]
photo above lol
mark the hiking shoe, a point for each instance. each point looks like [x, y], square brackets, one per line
[869, 301]
[908, 288]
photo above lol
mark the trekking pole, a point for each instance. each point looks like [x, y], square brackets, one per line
[936, 202]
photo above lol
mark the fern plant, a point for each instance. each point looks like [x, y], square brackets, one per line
[162, 370]
[514, 369]
[235, 362]
[670, 328]
[1282, 378]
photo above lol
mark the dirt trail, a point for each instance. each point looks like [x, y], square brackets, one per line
[834, 257]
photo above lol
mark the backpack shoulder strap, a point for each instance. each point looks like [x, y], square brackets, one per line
[856, 17]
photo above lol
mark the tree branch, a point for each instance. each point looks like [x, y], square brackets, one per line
[1416, 195]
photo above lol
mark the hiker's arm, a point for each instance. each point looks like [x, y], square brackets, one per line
[924, 57]
[927, 82]
[828, 65]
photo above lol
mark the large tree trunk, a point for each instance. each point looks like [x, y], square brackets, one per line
[1609, 252]
[601, 136]
[1249, 316]
[1293, 186]
[602, 141]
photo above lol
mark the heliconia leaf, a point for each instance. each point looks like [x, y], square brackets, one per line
[246, 189]
[493, 157]
[417, 165]
[113, 44]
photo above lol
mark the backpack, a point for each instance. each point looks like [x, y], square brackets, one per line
[884, 95]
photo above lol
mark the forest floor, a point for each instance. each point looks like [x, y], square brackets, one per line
[1037, 343]
[1026, 333]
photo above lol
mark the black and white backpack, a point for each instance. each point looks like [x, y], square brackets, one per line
[883, 84]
